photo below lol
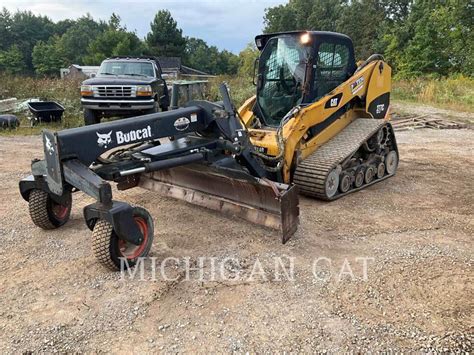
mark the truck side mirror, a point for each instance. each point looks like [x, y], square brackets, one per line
[255, 66]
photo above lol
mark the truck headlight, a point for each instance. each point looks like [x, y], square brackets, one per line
[144, 90]
[87, 90]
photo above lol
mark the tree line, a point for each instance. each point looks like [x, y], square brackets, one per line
[32, 43]
[417, 37]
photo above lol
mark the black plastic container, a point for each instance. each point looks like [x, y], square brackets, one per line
[46, 111]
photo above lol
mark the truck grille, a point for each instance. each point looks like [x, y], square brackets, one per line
[115, 91]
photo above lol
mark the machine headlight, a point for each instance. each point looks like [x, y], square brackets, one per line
[87, 90]
[144, 90]
[305, 38]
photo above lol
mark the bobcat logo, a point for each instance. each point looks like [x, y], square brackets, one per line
[49, 146]
[104, 139]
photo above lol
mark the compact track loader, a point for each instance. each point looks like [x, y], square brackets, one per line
[318, 124]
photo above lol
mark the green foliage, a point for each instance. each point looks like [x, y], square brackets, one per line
[247, 61]
[209, 59]
[324, 14]
[5, 30]
[77, 38]
[442, 40]
[304, 14]
[114, 41]
[48, 57]
[43, 47]
[12, 60]
[26, 30]
[241, 89]
[417, 37]
[197, 54]
[165, 38]
[227, 63]
[280, 18]
[361, 20]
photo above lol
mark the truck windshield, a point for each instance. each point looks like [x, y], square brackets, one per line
[126, 68]
[282, 67]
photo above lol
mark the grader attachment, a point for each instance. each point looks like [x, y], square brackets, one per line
[259, 201]
[200, 154]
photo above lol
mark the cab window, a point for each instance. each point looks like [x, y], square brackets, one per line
[330, 68]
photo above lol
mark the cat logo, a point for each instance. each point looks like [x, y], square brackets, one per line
[333, 102]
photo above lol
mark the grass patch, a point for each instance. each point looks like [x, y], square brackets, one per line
[65, 92]
[455, 93]
[241, 89]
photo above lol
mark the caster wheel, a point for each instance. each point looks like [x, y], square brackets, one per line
[109, 249]
[47, 213]
[359, 177]
[369, 174]
[344, 182]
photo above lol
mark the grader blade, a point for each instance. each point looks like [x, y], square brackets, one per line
[233, 193]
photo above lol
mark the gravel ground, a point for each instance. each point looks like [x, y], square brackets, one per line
[416, 229]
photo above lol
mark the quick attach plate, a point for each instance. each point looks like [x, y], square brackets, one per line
[51, 154]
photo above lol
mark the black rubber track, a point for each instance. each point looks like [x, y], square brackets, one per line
[311, 174]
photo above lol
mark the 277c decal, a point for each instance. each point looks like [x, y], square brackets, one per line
[357, 85]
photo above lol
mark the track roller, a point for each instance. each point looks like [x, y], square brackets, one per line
[391, 162]
[345, 182]
[380, 170]
[369, 174]
[359, 177]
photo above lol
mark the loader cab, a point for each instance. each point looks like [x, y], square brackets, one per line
[298, 68]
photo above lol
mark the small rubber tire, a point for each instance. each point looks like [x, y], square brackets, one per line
[359, 177]
[45, 212]
[91, 117]
[108, 248]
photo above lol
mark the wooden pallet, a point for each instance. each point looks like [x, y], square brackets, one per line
[405, 123]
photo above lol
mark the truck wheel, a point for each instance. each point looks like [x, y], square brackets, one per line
[91, 117]
[109, 249]
[45, 212]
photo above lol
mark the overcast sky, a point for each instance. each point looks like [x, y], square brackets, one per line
[227, 24]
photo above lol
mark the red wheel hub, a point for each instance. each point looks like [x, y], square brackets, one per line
[59, 211]
[132, 251]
